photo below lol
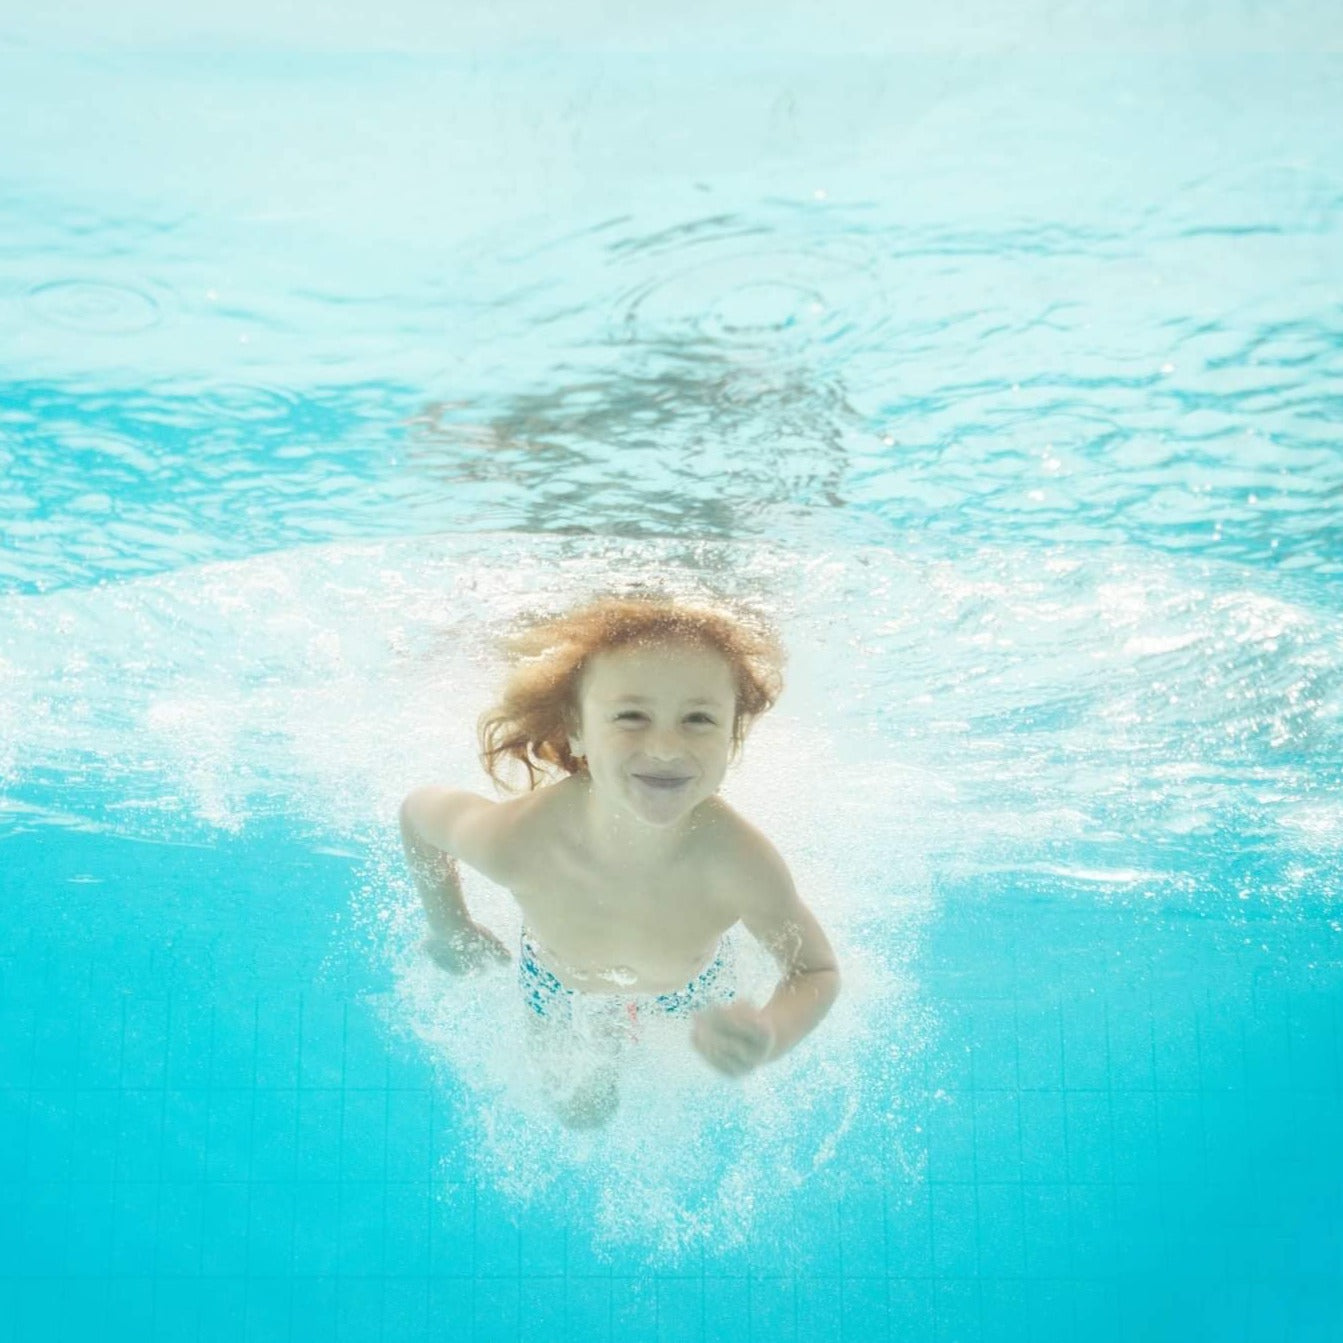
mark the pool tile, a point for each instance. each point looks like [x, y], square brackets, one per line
[271, 1229]
[498, 1239]
[228, 1154]
[178, 1241]
[543, 1247]
[994, 1036]
[407, 1212]
[130, 1304]
[1045, 1225]
[1004, 1310]
[954, 1230]
[1128, 1025]
[864, 1309]
[186, 1126]
[320, 1114]
[587, 1305]
[359, 1309]
[815, 1232]
[409, 1146]
[365, 1049]
[312, 1306]
[134, 1226]
[1001, 1246]
[1089, 1137]
[362, 1215]
[680, 1308]
[144, 1042]
[951, 1137]
[140, 1135]
[956, 1303]
[909, 1231]
[39, 1248]
[1043, 1135]
[861, 1234]
[224, 1229]
[913, 1314]
[498, 1308]
[405, 1310]
[266, 1318]
[316, 1247]
[1091, 1215]
[1180, 1133]
[233, 1044]
[819, 1310]
[363, 1138]
[50, 1134]
[726, 1309]
[279, 1022]
[997, 1130]
[775, 1310]
[190, 1028]
[100, 1045]
[1175, 1043]
[1086, 1062]
[322, 1047]
[90, 1228]
[223, 1303]
[54, 1043]
[1039, 1044]
[452, 1250]
[177, 1307]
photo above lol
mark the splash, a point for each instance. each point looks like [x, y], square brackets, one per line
[690, 1160]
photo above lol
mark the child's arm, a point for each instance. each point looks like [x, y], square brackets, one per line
[739, 1037]
[436, 824]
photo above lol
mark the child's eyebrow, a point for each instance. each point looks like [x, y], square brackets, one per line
[644, 699]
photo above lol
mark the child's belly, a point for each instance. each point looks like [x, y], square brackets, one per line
[600, 966]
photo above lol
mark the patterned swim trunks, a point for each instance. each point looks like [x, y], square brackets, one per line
[548, 998]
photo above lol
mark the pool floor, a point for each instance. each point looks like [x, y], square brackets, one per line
[1126, 1128]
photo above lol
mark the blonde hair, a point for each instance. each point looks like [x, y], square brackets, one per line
[539, 707]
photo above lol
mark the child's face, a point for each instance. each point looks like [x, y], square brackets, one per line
[656, 727]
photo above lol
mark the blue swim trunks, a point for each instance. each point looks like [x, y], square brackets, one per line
[549, 998]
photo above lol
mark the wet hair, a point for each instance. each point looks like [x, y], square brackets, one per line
[539, 708]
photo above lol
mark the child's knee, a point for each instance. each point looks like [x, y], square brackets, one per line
[588, 1105]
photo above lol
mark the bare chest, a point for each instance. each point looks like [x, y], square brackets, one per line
[636, 933]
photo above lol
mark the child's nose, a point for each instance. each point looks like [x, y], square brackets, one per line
[664, 743]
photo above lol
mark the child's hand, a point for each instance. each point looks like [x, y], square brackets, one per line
[465, 949]
[734, 1039]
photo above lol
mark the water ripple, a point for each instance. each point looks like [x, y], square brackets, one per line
[95, 307]
[704, 285]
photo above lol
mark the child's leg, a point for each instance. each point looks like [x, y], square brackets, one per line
[569, 1045]
[579, 1084]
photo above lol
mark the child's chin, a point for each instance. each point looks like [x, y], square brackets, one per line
[666, 813]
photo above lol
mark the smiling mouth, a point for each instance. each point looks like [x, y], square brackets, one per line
[666, 782]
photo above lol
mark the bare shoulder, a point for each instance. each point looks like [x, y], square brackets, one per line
[756, 886]
[746, 864]
[488, 835]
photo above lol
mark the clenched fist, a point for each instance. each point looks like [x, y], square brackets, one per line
[734, 1039]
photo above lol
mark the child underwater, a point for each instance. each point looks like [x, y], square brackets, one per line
[629, 868]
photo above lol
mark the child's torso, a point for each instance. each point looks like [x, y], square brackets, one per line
[618, 931]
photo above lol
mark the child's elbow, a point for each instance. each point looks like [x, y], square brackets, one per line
[412, 808]
[835, 983]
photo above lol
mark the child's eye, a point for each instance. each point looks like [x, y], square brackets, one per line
[629, 713]
[701, 717]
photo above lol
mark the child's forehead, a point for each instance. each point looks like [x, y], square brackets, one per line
[663, 661]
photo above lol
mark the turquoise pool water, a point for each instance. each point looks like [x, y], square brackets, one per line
[999, 356]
